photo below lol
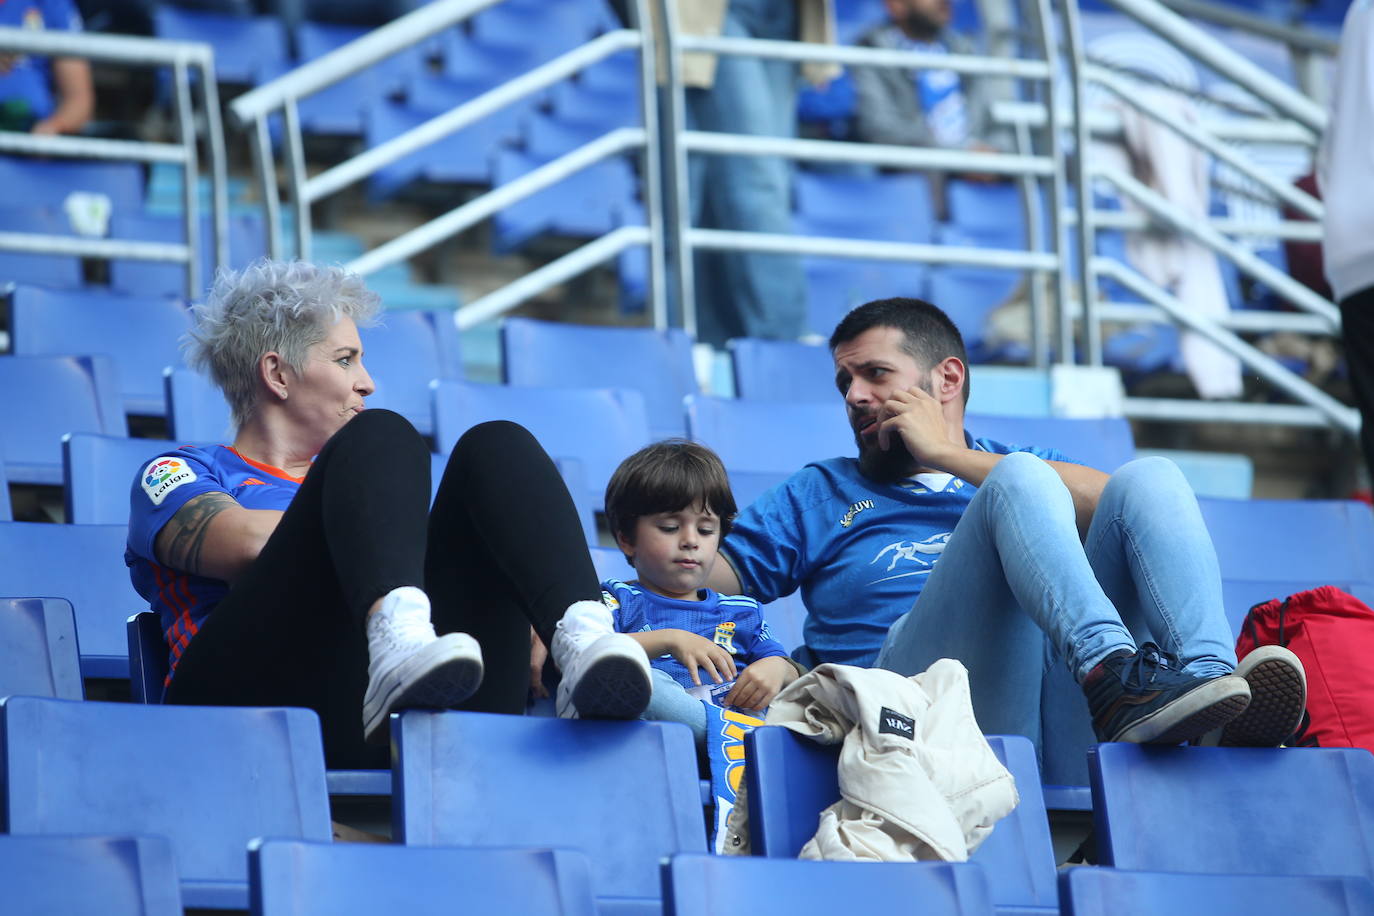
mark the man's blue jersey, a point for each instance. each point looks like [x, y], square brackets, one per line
[860, 551]
[165, 484]
[734, 622]
[26, 85]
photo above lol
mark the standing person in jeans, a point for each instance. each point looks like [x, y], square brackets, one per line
[741, 294]
[1345, 170]
[1016, 560]
[303, 566]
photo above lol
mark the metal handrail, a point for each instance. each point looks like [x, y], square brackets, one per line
[1232, 17]
[182, 57]
[1106, 123]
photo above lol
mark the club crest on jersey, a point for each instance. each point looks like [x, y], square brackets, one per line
[848, 518]
[725, 636]
[163, 475]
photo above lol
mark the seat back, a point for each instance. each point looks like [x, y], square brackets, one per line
[769, 436]
[85, 565]
[625, 793]
[294, 878]
[196, 409]
[6, 511]
[148, 662]
[50, 397]
[782, 370]
[403, 354]
[30, 182]
[1252, 811]
[113, 875]
[1105, 444]
[141, 335]
[1115, 892]
[657, 363]
[59, 270]
[792, 779]
[694, 885]
[246, 47]
[208, 778]
[1323, 542]
[38, 653]
[598, 428]
[98, 471]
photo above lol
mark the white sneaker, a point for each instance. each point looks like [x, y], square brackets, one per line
[411, 667]
[605, 673]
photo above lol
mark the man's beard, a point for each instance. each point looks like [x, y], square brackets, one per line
[919, 26]
[885, 466]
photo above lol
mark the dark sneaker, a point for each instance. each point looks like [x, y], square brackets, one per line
[1278, 697]
[1145, 698]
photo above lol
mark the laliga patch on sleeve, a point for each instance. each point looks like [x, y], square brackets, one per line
[163, 475]
[894, 723]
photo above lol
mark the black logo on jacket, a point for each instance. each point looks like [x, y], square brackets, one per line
[894, 723]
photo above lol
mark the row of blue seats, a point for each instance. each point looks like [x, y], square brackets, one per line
[137, 875]
[626, 795]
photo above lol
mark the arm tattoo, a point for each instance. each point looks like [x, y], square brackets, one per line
[180, 541]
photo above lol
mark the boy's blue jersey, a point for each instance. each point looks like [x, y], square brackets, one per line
[165, 484]
[860, 551]
[734, 622]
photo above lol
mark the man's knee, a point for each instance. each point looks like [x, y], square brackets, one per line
[1022, 471]
[1154, 473]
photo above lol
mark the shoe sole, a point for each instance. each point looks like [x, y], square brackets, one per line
[1212, 705]
[442, 682]
[1278, 696]
[615, 687]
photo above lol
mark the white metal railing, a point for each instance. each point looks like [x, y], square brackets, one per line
[183, 58]
[281, 95]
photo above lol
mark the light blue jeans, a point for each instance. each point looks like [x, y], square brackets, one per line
[670, 702]
[1016, 591]
[748, 295]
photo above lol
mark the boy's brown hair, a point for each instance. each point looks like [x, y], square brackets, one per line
[665, 477]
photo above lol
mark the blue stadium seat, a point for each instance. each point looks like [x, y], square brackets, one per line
[782, 370]
[552, 354]
[596, 427]
[38, 654]
[1321, 542]
[982, 209]
[695, 885]
[338, 109]
[969, 295]
[1223, 475]
[542, 30]
[55, 270]
[791, 779]
[1116, 892]
[86, 767]
[403, 354]
[576, 103]
[1237, 810]
[60, 395]
[293, 878]
[769, 436]
[1009, 391]
[586, 204]
[47, 182]
[896, 207]
[98, 472]
[85, 565]
[463, 157]
[1105, 444]
[247, 241]
[6, 511]
[854, 17]
[471, 779]
[131, 876]
[196, 409]
[142, 335]
[834, 286]
[247, 48]
[749, 485]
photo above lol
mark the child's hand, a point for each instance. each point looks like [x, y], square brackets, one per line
[760, 682]
[697, 652]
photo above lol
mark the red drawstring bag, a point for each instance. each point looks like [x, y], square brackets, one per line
[1332, 632]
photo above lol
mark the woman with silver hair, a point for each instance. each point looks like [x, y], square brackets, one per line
[303, 566]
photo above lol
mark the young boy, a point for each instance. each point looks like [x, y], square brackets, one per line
[669, 505]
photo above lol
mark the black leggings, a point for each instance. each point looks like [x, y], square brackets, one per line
[1357, 330]
[502, 549]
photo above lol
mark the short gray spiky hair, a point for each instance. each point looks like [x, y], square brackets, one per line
[286, 306]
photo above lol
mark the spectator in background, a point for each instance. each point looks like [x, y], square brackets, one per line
[27, 82]
[937, 108]
[745, 294]
[1346, 169]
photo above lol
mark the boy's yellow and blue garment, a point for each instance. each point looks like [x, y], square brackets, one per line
[165, 484]
[725, 731]
[734, 622]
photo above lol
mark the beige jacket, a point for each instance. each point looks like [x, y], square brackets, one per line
[815, 23]
[917, 778]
